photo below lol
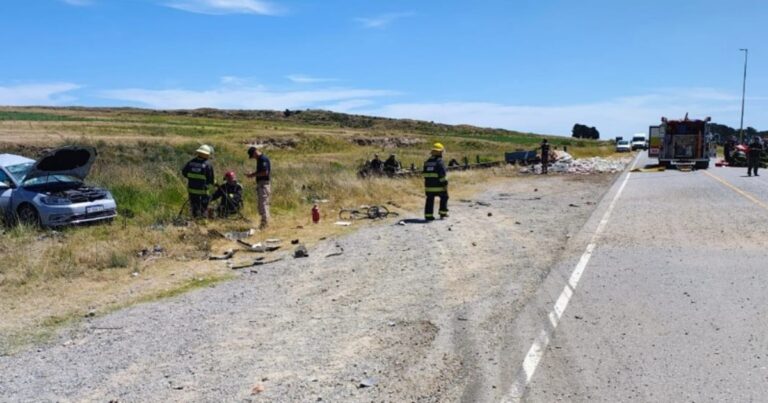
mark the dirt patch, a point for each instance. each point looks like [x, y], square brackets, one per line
[278, 143]
[387, 142]
[411, 312]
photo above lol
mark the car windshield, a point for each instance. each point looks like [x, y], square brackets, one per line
[51, 180]
[623, 142]
[19, 171]
[638, 138]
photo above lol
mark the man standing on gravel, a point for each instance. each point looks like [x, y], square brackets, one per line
[544, 155]
[263, 189]
[435, 183]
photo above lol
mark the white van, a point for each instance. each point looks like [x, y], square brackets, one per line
[639, 143]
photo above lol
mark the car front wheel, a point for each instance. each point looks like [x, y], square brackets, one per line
[28, 215]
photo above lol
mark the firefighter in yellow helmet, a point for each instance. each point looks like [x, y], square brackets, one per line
[435, 183]
[199, 174]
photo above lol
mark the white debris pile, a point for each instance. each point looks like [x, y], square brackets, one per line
[566, 164]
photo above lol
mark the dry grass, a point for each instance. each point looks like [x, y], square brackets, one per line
[50, 278]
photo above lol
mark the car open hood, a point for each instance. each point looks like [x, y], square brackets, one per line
[73, 161]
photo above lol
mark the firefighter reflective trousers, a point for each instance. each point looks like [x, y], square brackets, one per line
[198, 205]
[429, 206]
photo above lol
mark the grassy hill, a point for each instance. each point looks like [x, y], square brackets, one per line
[315, 156]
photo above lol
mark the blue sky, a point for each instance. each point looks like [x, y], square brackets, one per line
[526, 65]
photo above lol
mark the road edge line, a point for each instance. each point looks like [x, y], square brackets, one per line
[540, 344]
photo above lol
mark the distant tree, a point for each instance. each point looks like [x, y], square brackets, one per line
[584, 132]
[722, 133]
[593, 133]
[580, 131]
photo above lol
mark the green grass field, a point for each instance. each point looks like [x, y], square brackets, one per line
[315, 156]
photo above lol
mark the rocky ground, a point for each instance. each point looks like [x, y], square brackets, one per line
[395, 312]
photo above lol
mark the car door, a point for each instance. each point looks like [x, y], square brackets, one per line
[5, 192]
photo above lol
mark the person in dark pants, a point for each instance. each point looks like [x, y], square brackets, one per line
[728, 151]
[391, 165]
[199, 174]
[231, 194]
[754, 154]
[376, 165]
[263, 187]
[544, 155]
[435, 183]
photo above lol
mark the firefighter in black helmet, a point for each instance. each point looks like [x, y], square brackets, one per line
[435, 183]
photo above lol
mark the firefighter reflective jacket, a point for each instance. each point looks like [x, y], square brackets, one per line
[434, 176]
[232, 193]
[199, 174]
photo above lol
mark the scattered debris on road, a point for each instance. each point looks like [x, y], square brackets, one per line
[301, 251]
[581, 166]
[256, 262]
[258, 247]
[338, 253]
[226, 256]
[237, 235]
[368, 383]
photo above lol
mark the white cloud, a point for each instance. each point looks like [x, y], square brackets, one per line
[304, 79]
[616, 117]
[240, 98]
[37, 94]
[381, 21]
[347, 106]
[78, 2]
[220, 7]
[234, 81]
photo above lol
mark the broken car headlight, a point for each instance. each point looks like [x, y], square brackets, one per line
[55, 200]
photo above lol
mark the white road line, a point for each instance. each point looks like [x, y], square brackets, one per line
[539, 346]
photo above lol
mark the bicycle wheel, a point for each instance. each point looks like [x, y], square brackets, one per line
[376, 212]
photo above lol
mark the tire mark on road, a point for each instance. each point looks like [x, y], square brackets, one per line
[540, 344]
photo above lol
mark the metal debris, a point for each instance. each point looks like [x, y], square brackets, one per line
[338, 253]
[257, 262]
[301, 251]
[258, 247]
[368, 383]
[226, 256]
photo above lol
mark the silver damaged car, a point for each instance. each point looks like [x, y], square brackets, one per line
[50, 191]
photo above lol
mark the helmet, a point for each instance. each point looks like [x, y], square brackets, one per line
[230, 176]
[438, 147]
[205, 150]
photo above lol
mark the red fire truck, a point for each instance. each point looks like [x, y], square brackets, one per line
[683, 143]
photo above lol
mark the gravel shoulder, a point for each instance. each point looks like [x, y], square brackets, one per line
[414, 312]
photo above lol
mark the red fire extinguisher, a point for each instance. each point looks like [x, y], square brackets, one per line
[315, 214]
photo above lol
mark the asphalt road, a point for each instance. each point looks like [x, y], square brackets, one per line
[553, 290]
[666, 304]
